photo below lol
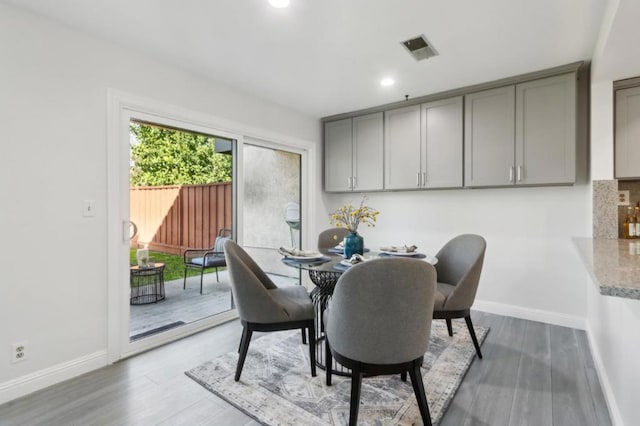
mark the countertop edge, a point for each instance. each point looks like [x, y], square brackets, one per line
[613, 269]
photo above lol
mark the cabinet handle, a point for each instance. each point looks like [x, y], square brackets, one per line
[511, 174]
[418, 179]
[349, 182]
[424, 179]
[519, 174]
[354, 182]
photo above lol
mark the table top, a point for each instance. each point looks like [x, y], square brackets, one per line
[331, 262]
[156, 265]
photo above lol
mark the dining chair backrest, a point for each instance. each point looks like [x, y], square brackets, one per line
[381, 310]
[330, 238]
[460, 264]
[250, 287]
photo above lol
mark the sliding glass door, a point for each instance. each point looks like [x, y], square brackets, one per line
[271, 207]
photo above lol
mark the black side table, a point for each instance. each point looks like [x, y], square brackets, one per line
[147, 284]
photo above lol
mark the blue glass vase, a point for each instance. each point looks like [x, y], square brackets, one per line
[353, 243]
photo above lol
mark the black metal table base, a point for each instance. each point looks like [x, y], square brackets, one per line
[324, 282]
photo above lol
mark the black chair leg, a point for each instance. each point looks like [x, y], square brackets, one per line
[217, 277]
[328, 361]
[184, 283]
[244, 348]
[201, 276]
[449, 327]
[418, 389]
[312, 346]
[403, 376]
[473, 335]
[304, 336]
[356, 381]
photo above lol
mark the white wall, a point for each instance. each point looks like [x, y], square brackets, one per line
[613, 322]
[531, 268]
[53, 88]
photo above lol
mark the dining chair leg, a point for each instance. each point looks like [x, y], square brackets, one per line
[312, 346]
[244, 348]
[354, 406]
[304, 336]
[473, 335]
[201, 276]
[217, 277]
[328, 361]
[403, 376]
[418, 389]
[449, 326]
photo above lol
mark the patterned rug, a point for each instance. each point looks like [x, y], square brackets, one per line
[276, 387]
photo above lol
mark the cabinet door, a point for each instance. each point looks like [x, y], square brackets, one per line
[402, 148]
[627, 137]
[337, 156]
[489, 137]
[368, 152]
[546, 131]
[442, 143]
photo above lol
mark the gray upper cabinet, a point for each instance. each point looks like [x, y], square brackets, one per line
[441, 150]
[402, 168]
[627, 136]
[519, 131]
[489, 137]
[353, 154]
[523, 134]
[338, 155]
[546, 131]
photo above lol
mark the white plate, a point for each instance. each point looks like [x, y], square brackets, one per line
[400, 253]
[314, 256]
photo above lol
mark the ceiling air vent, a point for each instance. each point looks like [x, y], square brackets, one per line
[419, 48]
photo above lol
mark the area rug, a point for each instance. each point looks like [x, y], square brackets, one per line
[276, 387]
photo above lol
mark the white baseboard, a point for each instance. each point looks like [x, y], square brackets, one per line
[50, 376]
[539, 315]
[607, 390]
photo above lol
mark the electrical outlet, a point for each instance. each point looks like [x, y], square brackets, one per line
[18, 352]
[623, 198]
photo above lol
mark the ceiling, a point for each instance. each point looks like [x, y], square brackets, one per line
[324, 57]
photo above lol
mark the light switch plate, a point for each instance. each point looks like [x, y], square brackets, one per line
[623, 198]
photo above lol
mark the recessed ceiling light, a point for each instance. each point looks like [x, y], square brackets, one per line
[279, 3]
[387, 82]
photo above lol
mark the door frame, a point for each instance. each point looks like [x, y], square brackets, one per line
[121, 108]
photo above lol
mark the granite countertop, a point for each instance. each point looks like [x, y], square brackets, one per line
[614, 265]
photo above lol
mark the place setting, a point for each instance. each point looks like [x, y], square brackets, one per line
[406, 251]
[297, 256]
[339, 249]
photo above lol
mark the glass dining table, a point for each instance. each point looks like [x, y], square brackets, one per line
[324, 273]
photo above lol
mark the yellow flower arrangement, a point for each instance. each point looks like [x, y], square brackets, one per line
[350, 217]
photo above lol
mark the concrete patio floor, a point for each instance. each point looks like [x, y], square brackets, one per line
[186, 306]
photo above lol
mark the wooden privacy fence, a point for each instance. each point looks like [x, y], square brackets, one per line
[173, 218]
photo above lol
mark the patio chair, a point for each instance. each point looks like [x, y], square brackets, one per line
[202, 259]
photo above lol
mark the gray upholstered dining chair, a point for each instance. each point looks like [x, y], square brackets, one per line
[379, 322]
[459, 266]
[263, 306]
[330, 238]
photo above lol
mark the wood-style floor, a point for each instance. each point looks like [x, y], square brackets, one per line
[531, 374]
